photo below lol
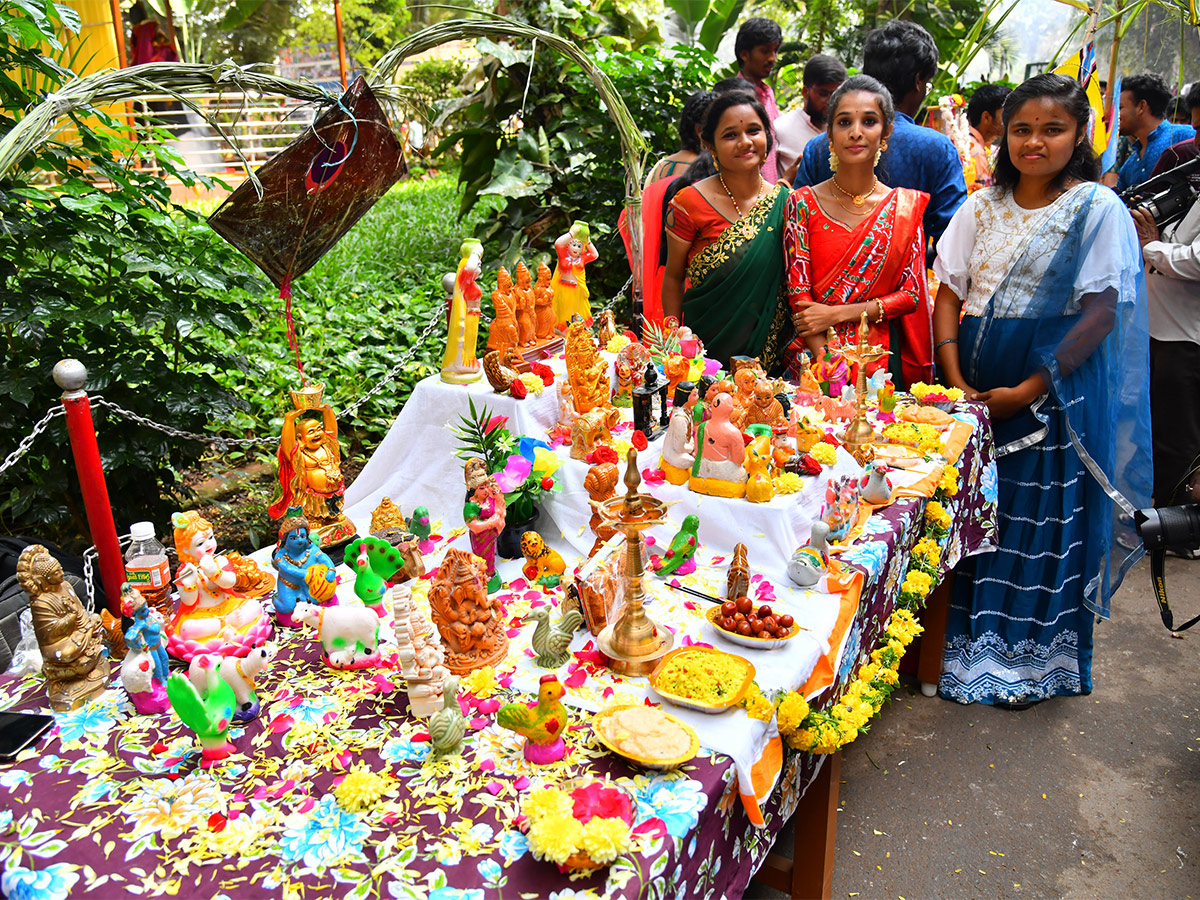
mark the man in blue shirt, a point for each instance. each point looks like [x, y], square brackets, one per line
[903, 56]
[1144, 101]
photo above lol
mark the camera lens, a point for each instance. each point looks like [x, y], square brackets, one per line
[1171, 526]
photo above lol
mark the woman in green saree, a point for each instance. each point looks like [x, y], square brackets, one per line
[725, 235]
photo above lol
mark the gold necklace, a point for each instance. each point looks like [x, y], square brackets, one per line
[856, 199]
[733, 199]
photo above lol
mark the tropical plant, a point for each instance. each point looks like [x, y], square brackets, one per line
[704, 22]
[370, 27]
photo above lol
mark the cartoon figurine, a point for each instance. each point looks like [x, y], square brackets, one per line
[720, 452]
[144, 668]
[349, 634]
[211, 617]
[239, 673]
[485, 514]
[526, 306]
[543, 305]
[504, 330]
[542, 724]
[759, 457]
[306, 573]
[209, 714]
[574, 250]
[459, 365]
[543, 564]
[682, 550]
[551, 643]
[375, 562]
[811, 561]
[447, 726]
[679, 447]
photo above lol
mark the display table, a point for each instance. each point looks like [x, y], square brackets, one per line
[110, 804]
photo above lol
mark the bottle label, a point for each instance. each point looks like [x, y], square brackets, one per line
[152, 577]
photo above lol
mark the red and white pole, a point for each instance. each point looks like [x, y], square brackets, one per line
[71, 376]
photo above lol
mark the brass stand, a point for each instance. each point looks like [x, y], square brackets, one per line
[859, 434]
[634, 644]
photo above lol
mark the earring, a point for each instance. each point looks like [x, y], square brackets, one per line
[833, 160]
[879, 152]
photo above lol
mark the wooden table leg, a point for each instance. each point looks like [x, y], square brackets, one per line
[808, 875]
[933, 641]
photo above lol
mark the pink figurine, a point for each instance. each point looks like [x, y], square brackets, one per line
[485, 514]
[832, 372]
[574, 250]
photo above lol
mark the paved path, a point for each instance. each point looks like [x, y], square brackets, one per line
[1075, 798]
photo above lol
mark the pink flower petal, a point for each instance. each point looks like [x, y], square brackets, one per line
[488, 765]
[688, 604]
[479, 723]
[307, 804]
[575, 679]
[488, 706]
[494, 788]
[419, 737]
[521, 783]
[688, 567]
[608, 692]
[281, 723]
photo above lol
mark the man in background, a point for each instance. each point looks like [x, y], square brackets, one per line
[985, 115]
[1143, 105]
[1178, 154]
[756, 48]
[903, 57]
[793, 130]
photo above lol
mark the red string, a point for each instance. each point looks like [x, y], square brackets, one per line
[285, 293]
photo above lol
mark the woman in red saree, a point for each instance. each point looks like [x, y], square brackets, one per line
[854, 245]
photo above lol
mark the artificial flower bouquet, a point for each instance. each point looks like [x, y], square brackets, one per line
[581, 825]
[527, 476]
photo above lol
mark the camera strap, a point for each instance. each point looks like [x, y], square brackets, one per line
[1158, 578]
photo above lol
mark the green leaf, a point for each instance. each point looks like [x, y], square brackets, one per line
[690, 11]
[504, 52]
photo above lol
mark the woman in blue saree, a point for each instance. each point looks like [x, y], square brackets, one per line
[1044, 269]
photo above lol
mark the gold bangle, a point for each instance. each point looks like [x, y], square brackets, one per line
[879, 318]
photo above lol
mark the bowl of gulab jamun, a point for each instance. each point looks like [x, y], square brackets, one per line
[741, 622]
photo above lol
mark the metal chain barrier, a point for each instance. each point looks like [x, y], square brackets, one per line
[223, 443]
[27, 442]
[437, 320]
[90, 555]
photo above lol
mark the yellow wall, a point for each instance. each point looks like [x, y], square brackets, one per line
[95, 47]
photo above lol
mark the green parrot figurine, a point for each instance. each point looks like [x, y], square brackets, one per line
[420, 527]
[209, 716]
[682, 550]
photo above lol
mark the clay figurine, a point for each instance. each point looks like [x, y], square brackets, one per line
[591, 428]
[542, 724]
[420, 653]
[471, 624]
[811, 561]
[484, 514]
[766, 408]
[526, 306]
[209, 714]
[502, 369]
[875, 382]
[420, 526]
[310, 468]
[459, 365]
[447, 726]
[875, 487]
[386, 515]
[212, 618]
[831, 371]
[306, 573]
[504, 329]
[587, 370]
[840, 510]
[574, 251]
[239, 673]
[144, 669]
[759, 458]
[679, 447]
[375, 564]
[887, 396]
[544, 319]
[718, 468]
[600, 483]
[682, 550]
[114, 636]
[737, 582]
[349, 634]
[624, 393]
[552, 643]
[606, 328]
[543, 564]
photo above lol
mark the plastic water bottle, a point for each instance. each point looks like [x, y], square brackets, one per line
[148, 569]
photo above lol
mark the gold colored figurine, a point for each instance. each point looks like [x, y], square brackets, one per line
[543, 301]
[387, 515]
[71, 639]
[310, 468]
[587, 370]
[859, 434]
[526, 306]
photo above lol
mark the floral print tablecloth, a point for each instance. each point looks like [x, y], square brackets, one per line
[112, 804]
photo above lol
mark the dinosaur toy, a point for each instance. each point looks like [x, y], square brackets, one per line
[679, 558]
[550, 643]
[419, 526]
[447, 726]
[542, 724]
[208, 714]
[542, 563]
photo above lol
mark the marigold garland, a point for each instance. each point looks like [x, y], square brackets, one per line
[556, 835]
[617, 343]
[756, 705]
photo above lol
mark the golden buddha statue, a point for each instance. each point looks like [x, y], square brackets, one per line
[71, 639]
[310, 468]
[387, 515]
[587, 370]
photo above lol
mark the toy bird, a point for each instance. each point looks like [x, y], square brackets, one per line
[875, 487]
[374, 562]
[419, 527]
[683, 548]
[551, 643]
[542, 724]
[811, 561]
[209, 716]
[543, 564]
[447, 726]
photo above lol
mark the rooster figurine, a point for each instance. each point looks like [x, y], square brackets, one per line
[209, 715]
[542, 724]
[447, 726]
[551, 643]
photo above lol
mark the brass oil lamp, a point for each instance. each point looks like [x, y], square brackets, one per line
[859, 434]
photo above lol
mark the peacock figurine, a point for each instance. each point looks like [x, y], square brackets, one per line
[549, 642]
[447, 726]
[682, 550]
[374, 561]
[209, 715]
[420, 527]
[542, 724]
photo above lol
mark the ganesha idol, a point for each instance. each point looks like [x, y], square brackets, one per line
[212, 617]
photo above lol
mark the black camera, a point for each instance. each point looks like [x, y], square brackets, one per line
[1161, 529]
[1167, 197]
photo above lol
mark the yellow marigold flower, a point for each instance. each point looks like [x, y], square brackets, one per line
[788, 483]
[555, 837]
[917, 583]
[824, 453]
[605, 839]
[935, 514]
[361, 788]
[949, 482]
[546, 802]
[868, 672]
[928, 551]
[756, 705]
[533, 383]
[889, 675]
[617, 343]
[793, 710]
[482, 682]
[621, 446]
[800, 739]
